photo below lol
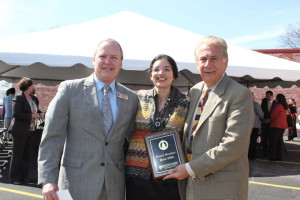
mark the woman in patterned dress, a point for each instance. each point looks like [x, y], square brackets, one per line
[162, 108]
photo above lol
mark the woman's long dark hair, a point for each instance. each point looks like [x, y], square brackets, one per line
[281, 100]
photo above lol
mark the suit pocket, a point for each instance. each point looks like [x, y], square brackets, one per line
[121, 165]
[72, 162]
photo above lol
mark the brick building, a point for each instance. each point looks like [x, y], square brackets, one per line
[292, 92]
[289, 54]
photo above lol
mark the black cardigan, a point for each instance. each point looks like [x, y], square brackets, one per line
[22, 115]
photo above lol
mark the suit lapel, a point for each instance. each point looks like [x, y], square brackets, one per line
[195, 95]
[212, 102]
[122, 97]
[91, 96]
[26, 104]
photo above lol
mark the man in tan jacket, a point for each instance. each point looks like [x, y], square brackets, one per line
[216, 136]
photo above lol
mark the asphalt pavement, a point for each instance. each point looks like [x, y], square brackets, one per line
[268, 180]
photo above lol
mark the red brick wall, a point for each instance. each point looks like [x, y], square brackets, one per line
[292, 92]
[44, 93]
[288, 54]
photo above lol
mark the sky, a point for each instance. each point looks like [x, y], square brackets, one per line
[251, 24]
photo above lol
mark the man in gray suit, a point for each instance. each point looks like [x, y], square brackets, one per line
[216, 142]
[87, 124]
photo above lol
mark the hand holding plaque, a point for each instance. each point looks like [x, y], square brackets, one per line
[165, 152]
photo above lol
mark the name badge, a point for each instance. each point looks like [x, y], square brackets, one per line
[122, 96]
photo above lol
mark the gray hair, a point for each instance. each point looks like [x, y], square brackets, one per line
[212, 40]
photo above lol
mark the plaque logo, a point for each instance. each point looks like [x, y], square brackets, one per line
[163, 145]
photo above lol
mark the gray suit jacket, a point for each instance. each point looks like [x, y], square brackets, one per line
[259, 115]
[220, 146]
[74, 133]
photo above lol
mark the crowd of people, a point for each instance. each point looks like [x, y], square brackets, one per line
[93, 140]
[272, 118]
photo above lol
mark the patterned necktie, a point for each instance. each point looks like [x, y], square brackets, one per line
[106, 109]
[197, 117]
[269, 106]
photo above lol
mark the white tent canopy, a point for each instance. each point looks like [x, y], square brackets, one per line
[66, 53]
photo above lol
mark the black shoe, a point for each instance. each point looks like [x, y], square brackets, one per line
[16, 182]
[26, 180]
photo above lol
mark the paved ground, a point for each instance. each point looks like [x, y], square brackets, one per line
[276, 180]
[267, 180]
[28, 191]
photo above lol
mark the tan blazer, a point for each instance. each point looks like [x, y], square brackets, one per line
[74, 129]
[220, 147]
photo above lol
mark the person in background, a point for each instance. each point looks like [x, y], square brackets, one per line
[3, 107]
[160, 109]
[216, 144]
[259, 116]
[25, 111]
[7, 102]
[278, 123]
[293, 115]
[3, 114]
[267, 106]
[87, 124]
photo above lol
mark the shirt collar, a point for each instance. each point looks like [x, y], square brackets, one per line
[154, 93]
[212, 88]
[100, 84]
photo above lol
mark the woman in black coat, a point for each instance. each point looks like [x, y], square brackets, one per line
[25, 112]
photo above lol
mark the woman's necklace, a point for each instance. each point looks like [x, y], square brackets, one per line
[160, 114]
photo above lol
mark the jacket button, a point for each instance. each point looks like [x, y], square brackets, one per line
[106, 143]
[102, 164]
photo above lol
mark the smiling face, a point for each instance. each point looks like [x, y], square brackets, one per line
[211, 63]
[162, 74]
[107, 61]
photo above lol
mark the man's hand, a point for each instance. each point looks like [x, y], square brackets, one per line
[49, 191]
[178, 173]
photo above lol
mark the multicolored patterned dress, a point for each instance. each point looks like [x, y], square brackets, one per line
[149, 120]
